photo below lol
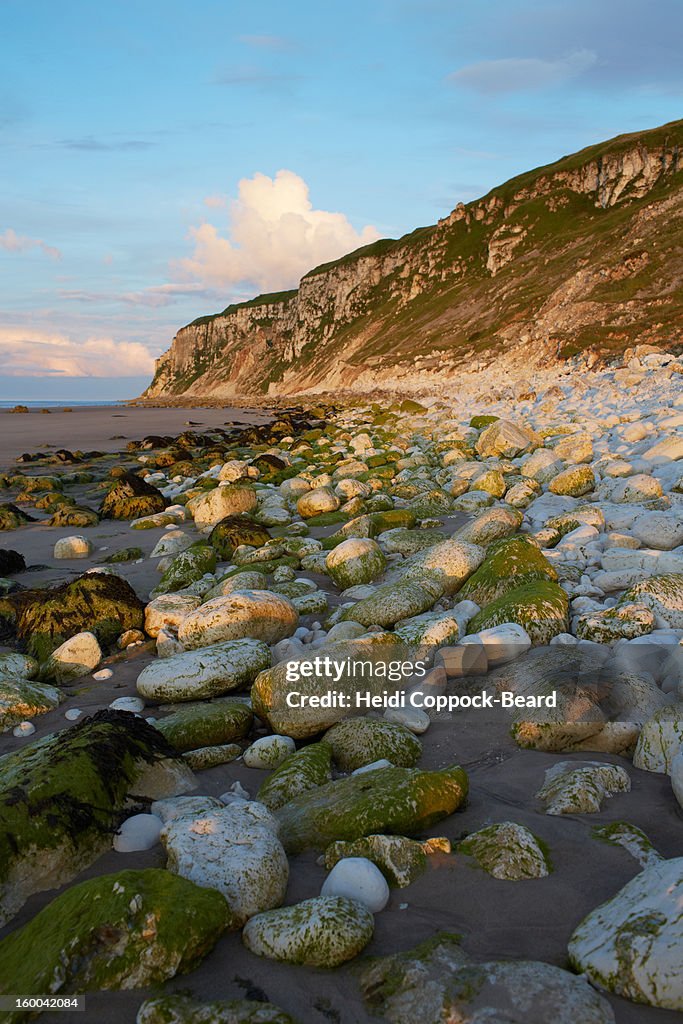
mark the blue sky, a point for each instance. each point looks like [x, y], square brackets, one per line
[141, 145]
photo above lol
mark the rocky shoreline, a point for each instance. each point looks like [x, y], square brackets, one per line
[183, 844]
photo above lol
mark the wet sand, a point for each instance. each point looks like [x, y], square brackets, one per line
[106, 428]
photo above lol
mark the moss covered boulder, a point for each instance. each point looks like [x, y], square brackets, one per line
[232, 531]
[12, 517]
[178, 1009]
[663, 595]
[61, 797]
[540, 607]
[97, 602]
[623, 621]
[510, 563]
[355, 561]
[492, 524]
[322, 932]
[206, 724]
[259, 614]
[392, 602]
[507, 851]
[401, 860]
[11, 562]
[394, 800]
[186, 568]
[575, 481]
[572, 787]
[132, 497]
[128, 930]
[450, 562]
[356, 742]
[77, 516]
[226, 500]
[305, 769]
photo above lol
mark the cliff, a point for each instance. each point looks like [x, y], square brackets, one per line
[581, 255]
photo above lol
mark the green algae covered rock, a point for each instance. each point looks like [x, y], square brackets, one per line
[77, 515]
[623, 621]
[434, 983]
[375, 523]
[125, 555]
[356, 742]
[507, 850]
[127, 930]
[232, 531]
[631, 945]
[177, 1009]
[322, 932]
[61, 796]
[209, 672]
[187, 567]
[97, 602]
[132, 497]
[401, 860]
[540, 607]
[663, 595]
[575, 481]
[206, 724]
[21, 699]
[355, 561]
[660, 739]
[305, 769]
[408, 542]
[492, 524]
[394, 800]
[509, 563]
[394, 601]
[449, 562]
[12, 517]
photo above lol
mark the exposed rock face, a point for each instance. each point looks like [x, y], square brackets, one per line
[565, 262]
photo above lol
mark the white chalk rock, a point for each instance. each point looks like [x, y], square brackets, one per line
[357, 878]
[169, 610]
[235, 850]
[141, 832]
[208, 672]
[134, 704]
[502, 643]
[72, 547]
[258, 614]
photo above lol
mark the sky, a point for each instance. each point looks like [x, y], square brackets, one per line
[163, 158]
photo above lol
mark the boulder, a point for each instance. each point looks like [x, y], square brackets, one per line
[128, 930]
[306, 769]
[234, 850]
[206, 724]
[99, 603]
[132, 497]
[78, 656]
[395, 601]
[259, 614]
[357, 878]
[21, 699]
[176, 1009]
[449, 563]
[209, 672]
[660, 740]
[169, 610]
[575, 481]
[401, 860]
[510, 563]
[61, 796]
[11, 562]
[507, 439]
[575, 787]
[233, 531]
[540, 607]
[631, 945]
[356, 742]
[317, 502]
[493, 524]
[434, 983]
[321, 932]
[663, 595]
[269, 752]
[186, 568]
[625, 621]
[229, 500]
[402, 800]
[507, 851]
[355, 561]
[72, 547]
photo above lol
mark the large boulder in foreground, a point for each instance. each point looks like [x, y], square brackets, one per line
[540, 607]
[259, 614]
[631, 945]
[395, 800]
[61, 798]
[132, 497]
[97, 602]
[435, 983]
[127, 930]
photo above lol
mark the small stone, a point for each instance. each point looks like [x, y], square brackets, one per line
[24, 729]
[72, 547]
[269, 752]
[507, 850]
[133, 704]
[104, 673]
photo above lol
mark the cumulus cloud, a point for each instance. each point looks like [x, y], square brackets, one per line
[275, 236]
[36, 353]
[10, 241]
[522, 74]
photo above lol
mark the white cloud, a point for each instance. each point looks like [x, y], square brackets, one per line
[275, 236]
[38, 353]
[522, 74]
[10, 241]
[216, 202]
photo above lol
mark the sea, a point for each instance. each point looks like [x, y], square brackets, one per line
[50, 404]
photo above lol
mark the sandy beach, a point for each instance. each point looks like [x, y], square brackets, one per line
[498, 919]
